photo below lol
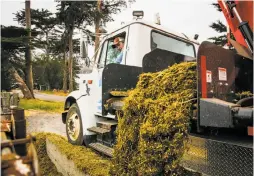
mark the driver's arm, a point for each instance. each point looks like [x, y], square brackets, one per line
[119, 58]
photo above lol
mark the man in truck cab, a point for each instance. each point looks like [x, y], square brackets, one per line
[119, 44]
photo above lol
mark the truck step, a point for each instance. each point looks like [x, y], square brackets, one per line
[118, 105]
[98, 130]
[114, 103]
[102, 149]
[109, 116]
[107, 124]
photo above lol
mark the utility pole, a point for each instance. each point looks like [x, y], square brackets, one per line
[29, 71]
[97, 27]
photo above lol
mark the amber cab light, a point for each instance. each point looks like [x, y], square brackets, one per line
[89, 81]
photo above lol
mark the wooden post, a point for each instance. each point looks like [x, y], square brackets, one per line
[28, 55]
[97, 28]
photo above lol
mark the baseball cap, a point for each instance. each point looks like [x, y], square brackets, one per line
[117, 40]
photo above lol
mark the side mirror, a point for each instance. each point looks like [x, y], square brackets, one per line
[83, 50]
[87, 62]
[84, 53]
[196, 36]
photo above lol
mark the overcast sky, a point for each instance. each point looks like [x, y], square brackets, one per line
[184, 16]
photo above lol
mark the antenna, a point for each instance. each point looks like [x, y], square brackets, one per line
[157, 19]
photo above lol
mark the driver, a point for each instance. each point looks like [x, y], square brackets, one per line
[119, 44]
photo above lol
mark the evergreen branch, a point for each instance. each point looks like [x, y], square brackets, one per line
[219, 26]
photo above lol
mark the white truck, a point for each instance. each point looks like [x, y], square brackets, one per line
[83, 114]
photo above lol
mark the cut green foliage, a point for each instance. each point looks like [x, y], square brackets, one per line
[119, 93]
[153, 132]
[84, 158]
[47, 168]
[244, 94]
[35, 104]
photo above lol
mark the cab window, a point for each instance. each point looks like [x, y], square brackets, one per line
[168, 43]
[112, 53]
[108, 53]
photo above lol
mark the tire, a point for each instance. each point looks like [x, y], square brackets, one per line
[74, 129]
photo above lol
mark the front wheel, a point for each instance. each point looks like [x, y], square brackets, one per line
[74, 128]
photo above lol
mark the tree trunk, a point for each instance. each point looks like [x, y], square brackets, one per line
[65, 73]
[71, 61]
[97, 29]
[47, 44]
[22, 85]
[29, 72]
[97, 36]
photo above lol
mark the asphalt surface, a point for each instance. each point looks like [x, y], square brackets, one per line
[41, 121]
[49, 97]
[42, 96]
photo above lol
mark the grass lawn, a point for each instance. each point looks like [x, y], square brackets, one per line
[36, 104]
[60, 93]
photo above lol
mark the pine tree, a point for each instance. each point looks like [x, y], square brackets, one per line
[13, 45]
[217, 6]
[219, 27]
[44, 23]
[51, 36]
[72, 14]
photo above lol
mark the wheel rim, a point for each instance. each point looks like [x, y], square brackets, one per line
[73, 127]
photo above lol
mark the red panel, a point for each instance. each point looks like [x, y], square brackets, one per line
[250, 131]
[203, 77]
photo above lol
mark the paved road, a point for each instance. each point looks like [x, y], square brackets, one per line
[42, 96]
[49, 97]
[41, 121]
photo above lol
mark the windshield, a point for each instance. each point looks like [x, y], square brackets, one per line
[170, 44]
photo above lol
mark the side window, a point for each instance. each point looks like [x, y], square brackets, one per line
[110, 54]
[170, 44]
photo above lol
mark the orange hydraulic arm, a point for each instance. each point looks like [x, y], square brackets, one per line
[239, 16]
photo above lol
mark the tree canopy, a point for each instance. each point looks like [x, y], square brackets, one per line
[12, 58]
[221, 28]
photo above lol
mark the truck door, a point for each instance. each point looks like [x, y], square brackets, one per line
[108, 55]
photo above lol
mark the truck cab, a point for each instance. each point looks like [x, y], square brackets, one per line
[83, 108]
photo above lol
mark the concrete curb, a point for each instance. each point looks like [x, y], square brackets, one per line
[62, 163]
